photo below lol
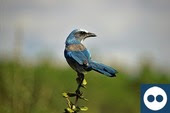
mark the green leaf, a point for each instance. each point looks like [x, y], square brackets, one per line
[83, 108]
[69, 103]
[84, 82]
[65, 95]
[70, 110]
[73, 107]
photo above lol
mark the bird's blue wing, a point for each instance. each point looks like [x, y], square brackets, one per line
[87, 54]
[79, 56]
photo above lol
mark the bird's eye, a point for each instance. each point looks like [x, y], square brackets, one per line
[82, 32]
[77, 35]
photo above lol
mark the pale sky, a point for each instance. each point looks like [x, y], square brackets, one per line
[126, 29]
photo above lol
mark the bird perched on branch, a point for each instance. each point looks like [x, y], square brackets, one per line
[79, 58]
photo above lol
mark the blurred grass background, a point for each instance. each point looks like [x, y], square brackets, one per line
[38, 88]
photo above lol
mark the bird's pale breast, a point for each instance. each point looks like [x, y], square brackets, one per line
[75, 47]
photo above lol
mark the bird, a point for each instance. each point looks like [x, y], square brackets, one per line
[79, 57]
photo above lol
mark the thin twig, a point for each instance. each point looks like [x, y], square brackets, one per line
[78, 93]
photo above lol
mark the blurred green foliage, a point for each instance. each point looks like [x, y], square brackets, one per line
[37, 89]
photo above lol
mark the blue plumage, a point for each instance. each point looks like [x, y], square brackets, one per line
[79, 58]
[103, 69]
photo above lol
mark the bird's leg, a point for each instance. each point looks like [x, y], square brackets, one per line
[79, 79]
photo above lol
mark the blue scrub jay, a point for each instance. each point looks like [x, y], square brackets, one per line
[79, 58]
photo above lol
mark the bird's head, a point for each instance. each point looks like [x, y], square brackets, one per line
[78, 35]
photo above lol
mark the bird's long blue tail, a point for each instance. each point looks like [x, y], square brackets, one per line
[103, 69]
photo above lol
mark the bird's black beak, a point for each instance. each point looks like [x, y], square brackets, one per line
[90, 35]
